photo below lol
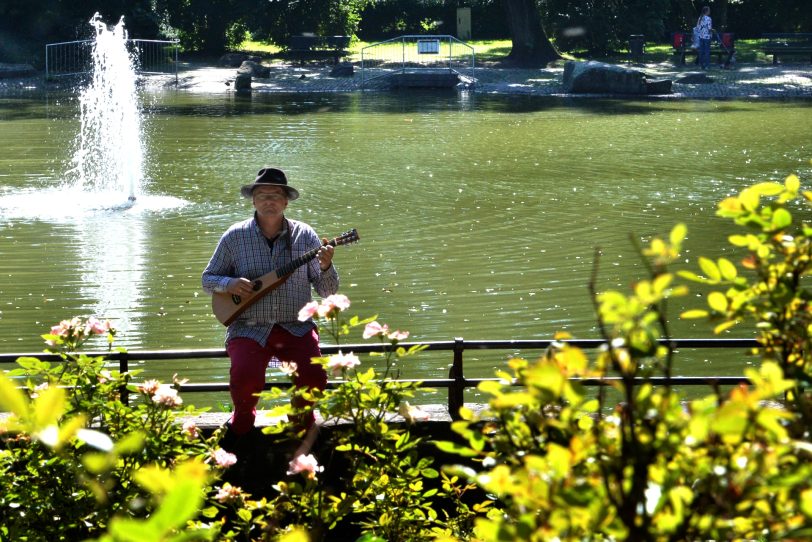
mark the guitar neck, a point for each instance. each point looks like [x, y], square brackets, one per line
[295, 263]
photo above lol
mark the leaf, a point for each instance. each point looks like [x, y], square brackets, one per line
[130, 444]
[724, 326]
[781, 219]
[727, 269]
[717, 301]
[749, 199]
[739, 240]
[12, 399]
[694, 314]
[454, 448]
[709, 268]
[179, 506]
[49, 407]
[767, 189]
[792, 183]
[678, 234]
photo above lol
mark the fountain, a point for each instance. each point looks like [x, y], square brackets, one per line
[109, 156]
[96, 214]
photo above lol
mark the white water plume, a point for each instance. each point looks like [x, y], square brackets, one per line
[108, 159]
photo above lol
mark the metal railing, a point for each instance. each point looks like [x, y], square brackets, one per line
[151, 57]
[456, 383]
[417, 53]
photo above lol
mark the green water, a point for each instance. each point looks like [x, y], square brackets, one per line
[479, 216]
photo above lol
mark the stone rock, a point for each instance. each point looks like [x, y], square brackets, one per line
[233, 60]
[242, 83]
[343, 69]
[602, 78]
[254, 69]
[658, 86]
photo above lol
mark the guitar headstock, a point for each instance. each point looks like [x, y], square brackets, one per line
[346, 238]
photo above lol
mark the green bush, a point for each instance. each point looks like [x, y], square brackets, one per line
[546, 458]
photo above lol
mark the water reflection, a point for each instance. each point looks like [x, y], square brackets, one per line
[479, 217]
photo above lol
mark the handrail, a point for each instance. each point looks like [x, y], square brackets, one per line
[413, 39]
[456, 383]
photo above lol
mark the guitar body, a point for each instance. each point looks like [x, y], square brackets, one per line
[227, 307]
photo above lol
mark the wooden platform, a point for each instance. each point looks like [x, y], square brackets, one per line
[425, 79]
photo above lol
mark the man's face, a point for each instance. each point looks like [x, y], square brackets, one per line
[270, 200]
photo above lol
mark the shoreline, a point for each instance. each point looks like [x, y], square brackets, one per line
[743, 81]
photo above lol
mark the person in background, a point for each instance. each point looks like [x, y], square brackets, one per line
[270, 328]
[704, 27]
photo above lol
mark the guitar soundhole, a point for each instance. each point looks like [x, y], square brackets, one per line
[236, 299]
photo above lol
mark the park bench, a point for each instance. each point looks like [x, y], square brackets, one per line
[723, 47]
[311, 47]
[783, 44]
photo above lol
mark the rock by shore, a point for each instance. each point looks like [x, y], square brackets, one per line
[742, 81]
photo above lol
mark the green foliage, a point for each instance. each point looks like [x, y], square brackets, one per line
[548, 458]
[74, 457]
[772, 289]
[567, 465]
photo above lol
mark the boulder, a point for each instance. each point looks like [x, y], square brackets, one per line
[658, 86]
[254, 69]
[602, 78]
[233, 60]
[242, 83]
[342, 69]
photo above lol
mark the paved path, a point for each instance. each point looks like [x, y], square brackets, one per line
[742, 81]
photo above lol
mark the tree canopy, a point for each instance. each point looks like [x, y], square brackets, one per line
[212, 26]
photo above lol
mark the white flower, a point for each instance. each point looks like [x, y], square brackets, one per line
[223, 458]
[304, 464]
[167, 396]
[341, 362]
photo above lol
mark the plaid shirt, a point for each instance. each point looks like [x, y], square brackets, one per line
[243, 251]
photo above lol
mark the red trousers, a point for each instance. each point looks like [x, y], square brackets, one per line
[249, 360]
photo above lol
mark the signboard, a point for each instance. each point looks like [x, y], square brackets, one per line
[428, 47]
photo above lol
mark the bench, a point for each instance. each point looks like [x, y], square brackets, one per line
[723, 47]
[787, 44]
[311, 47]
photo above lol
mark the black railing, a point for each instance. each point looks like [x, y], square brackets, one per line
[456, 383]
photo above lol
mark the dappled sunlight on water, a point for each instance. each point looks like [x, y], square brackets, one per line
[479, 217]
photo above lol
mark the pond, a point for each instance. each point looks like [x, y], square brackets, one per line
[479, 215]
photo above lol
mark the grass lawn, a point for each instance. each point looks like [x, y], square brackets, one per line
[494, 50]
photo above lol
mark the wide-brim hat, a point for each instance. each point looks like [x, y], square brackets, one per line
[270, 176]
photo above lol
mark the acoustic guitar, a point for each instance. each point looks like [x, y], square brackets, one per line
[227, 307]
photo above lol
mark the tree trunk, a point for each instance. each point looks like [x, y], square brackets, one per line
[721, 15]
[531, 47]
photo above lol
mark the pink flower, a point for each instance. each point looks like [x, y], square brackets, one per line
[229, 494]
[288, 368]
[341, 362]
[149, 387]
[223, 458]
[374, 328]
[339, 301]
[307, 312]
[412, 413]
[94, 326]
[190, 428]
[398, 335]
[306, 464]
[167, 396]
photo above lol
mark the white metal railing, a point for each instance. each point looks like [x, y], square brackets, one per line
[152, 57]
[417, 53]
